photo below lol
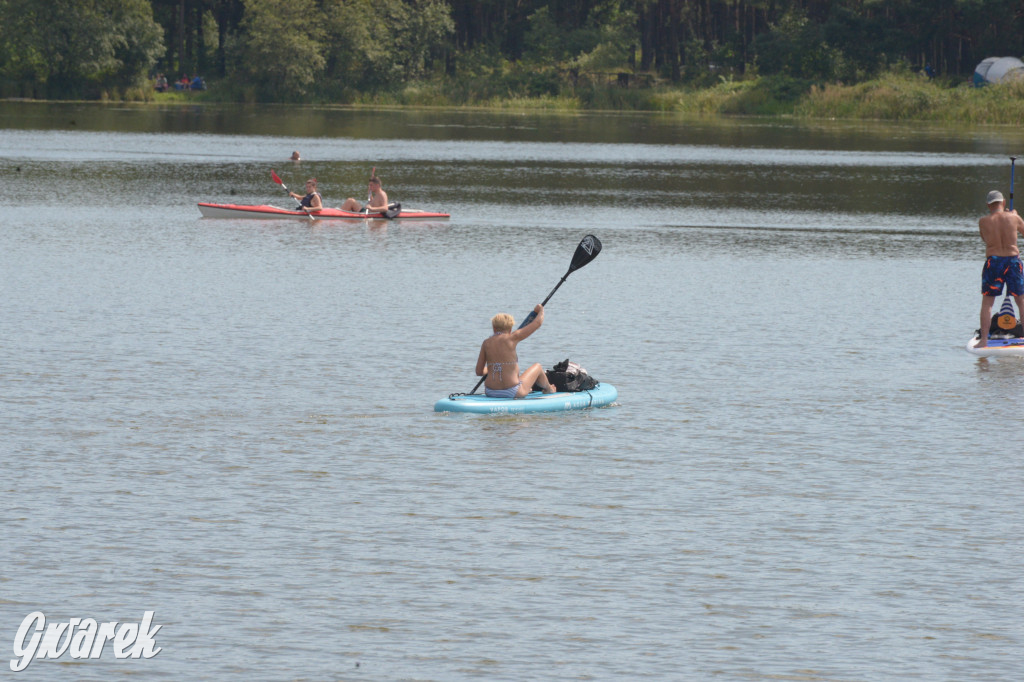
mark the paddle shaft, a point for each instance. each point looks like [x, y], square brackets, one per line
[533, 314]
[1012, 160]
[369, 194]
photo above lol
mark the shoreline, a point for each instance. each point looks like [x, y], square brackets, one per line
[891, 98]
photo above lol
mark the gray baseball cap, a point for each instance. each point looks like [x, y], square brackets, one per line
[994, 196]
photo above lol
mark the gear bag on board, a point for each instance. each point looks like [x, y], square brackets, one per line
[570, 377]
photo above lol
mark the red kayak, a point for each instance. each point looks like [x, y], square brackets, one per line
[273, 212]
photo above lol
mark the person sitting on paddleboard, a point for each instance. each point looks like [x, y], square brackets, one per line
[999, 230]
[312, 201]
[499, 363]
[377, 203]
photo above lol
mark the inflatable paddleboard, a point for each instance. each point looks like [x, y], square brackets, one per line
[1006, 335]
[599, 396]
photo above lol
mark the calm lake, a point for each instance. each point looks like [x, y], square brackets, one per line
[229, 422]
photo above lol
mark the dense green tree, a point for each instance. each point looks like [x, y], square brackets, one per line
[796, 47]
[596, 35]
[375, 43]
[74, 48]
[281, 51]
[324, 48]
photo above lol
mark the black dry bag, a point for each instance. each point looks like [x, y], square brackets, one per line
[570, 377]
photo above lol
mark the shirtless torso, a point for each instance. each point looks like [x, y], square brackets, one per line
[999, 230]
[378, 200]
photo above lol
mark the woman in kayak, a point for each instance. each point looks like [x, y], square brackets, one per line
[312, 201]
[376, 203]
[499, 363]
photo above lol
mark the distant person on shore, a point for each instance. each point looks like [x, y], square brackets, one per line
[999, 230]
[295, 156]
[161, 83]
[499, 363]
[312, 202]
[377, 202]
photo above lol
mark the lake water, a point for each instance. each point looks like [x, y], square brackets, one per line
[230, 423]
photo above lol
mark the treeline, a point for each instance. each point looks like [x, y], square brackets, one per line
[300, 50]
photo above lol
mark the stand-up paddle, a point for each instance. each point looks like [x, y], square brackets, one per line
[1012, 159]
[285, 187]
[586, 251]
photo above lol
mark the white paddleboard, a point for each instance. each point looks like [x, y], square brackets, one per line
[1004, 323]
[997, 348]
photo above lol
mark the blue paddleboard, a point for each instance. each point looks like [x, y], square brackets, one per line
[600, 395]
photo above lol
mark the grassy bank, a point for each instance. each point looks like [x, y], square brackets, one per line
[890, 97]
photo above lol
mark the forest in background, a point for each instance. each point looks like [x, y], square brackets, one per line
[345, 51]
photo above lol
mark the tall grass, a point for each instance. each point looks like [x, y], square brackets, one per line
[908, 97]
[894, 96]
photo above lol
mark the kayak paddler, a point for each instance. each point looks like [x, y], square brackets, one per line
[999, 230]
[312, 202]
[377, 202]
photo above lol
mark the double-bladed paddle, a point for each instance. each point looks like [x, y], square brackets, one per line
[285, 187]
[586, 251]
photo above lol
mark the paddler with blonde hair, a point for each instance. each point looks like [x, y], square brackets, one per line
[499, 363]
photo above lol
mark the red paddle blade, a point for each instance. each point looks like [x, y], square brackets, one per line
[276, 179]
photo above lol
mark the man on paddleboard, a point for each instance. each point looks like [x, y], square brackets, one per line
[999, 230]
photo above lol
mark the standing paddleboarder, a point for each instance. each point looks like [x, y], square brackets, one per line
[999, 230]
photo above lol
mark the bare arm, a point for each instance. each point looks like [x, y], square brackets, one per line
[520, 334]
[481, 363]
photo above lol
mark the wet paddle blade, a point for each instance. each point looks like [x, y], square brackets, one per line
[276, 179]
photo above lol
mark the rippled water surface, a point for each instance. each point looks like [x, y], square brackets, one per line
[230, 422]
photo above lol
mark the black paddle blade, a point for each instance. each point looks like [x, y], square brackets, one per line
[587, 251]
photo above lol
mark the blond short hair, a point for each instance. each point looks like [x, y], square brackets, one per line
[502, 322]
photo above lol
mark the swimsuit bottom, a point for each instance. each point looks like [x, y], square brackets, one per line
[509, 392]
